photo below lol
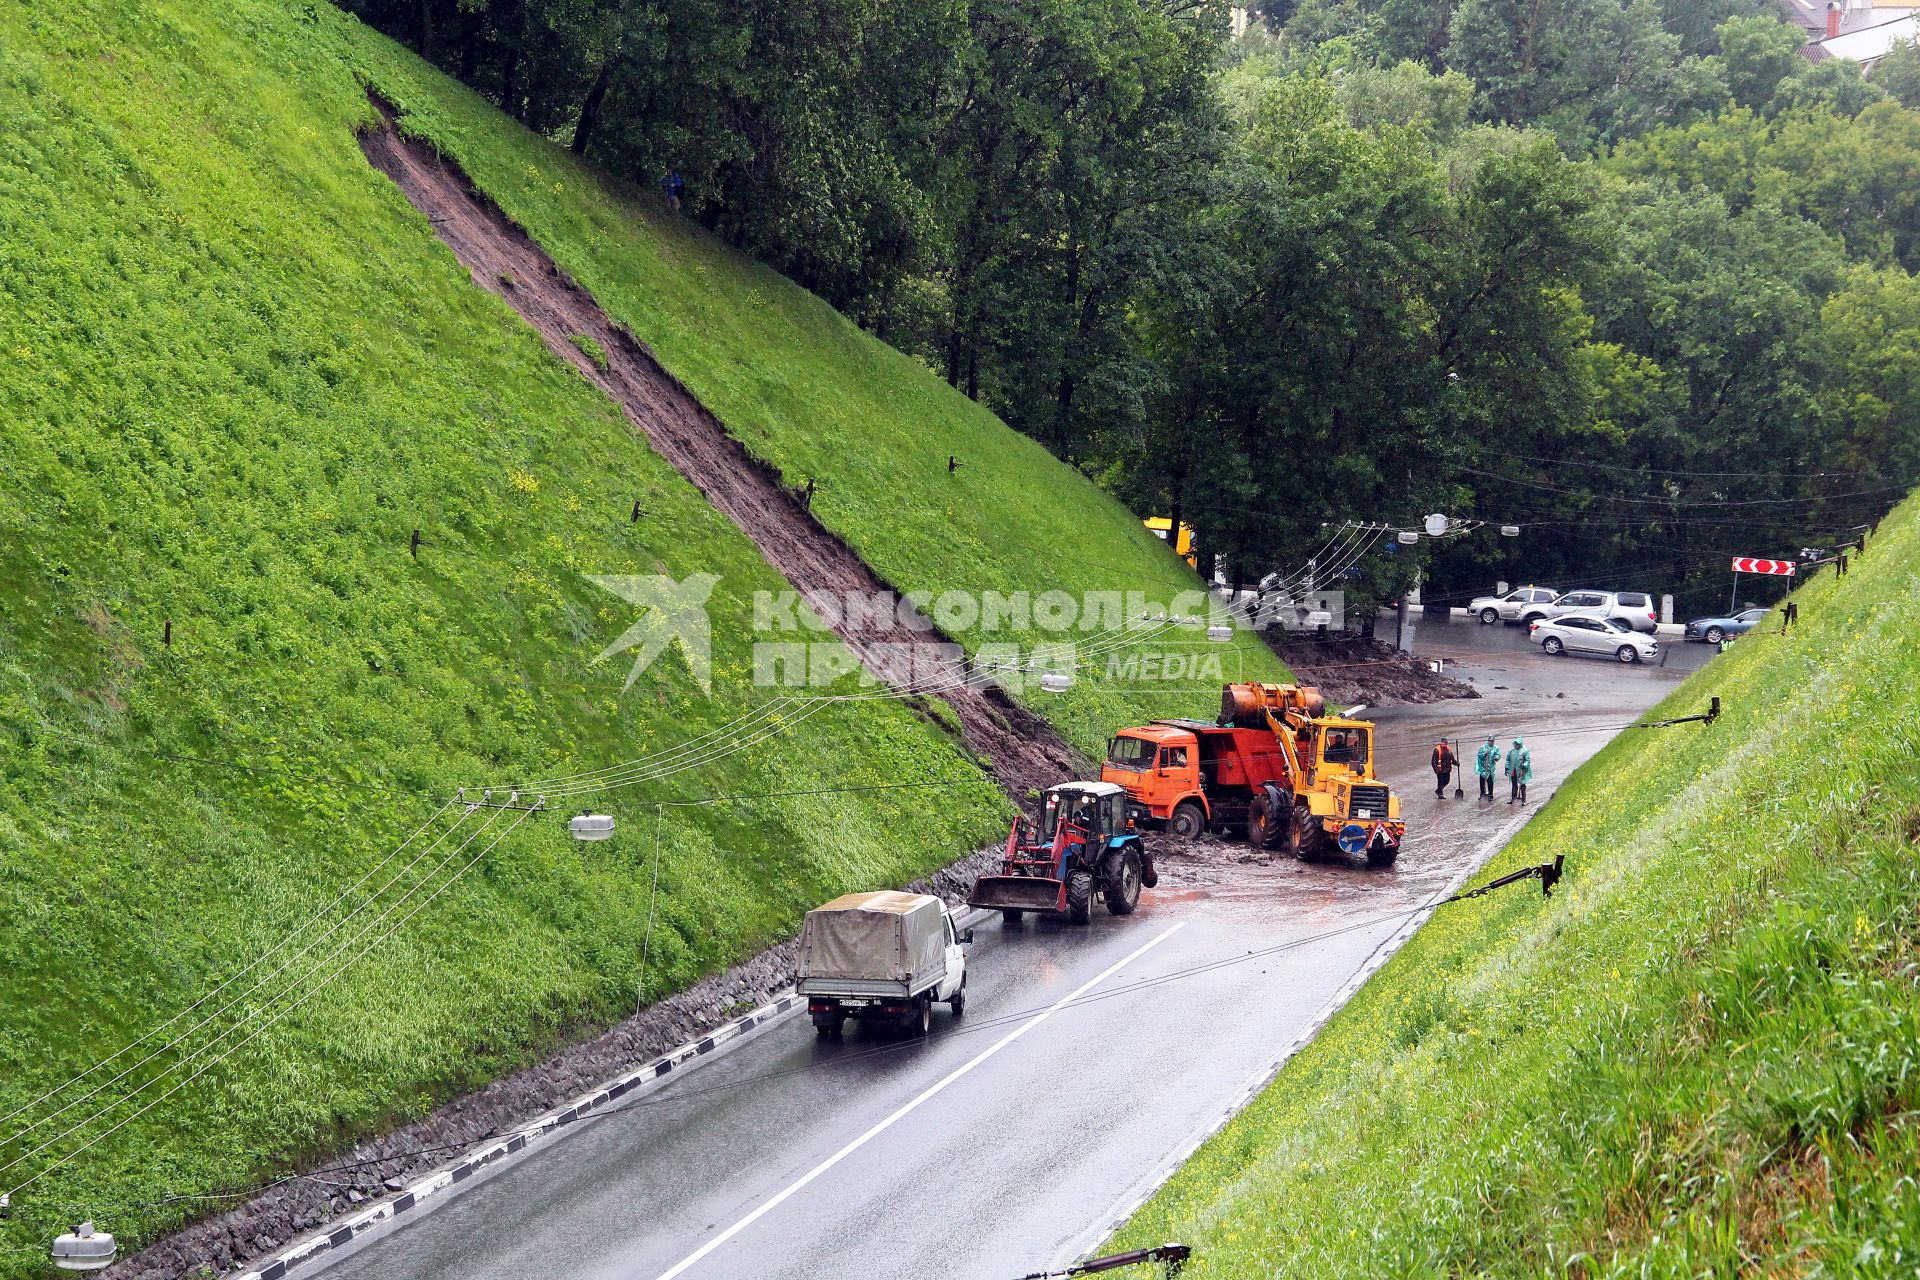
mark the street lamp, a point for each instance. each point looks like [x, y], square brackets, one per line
[591, 826]
[83, 1249]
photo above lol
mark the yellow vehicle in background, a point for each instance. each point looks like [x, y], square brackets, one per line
[1182, 545]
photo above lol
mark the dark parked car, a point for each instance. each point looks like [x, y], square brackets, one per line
[1714, 630]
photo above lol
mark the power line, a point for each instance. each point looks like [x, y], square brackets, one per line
[275, 1017]
[255, 963]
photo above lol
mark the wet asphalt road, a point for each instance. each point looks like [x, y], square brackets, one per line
[1007, 1141]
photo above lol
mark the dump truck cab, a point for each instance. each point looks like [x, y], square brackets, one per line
[1190, 776]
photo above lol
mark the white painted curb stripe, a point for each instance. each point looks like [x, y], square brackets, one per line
[345, 1231]
[447, 1178]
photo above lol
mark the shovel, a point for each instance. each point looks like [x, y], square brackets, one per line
[1459, 771]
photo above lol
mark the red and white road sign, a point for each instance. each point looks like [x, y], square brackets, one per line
[1751, 564]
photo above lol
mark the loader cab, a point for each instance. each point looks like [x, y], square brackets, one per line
[1343, 746]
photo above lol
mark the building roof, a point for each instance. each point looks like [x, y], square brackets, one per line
[1870, 44]
[1855, 16]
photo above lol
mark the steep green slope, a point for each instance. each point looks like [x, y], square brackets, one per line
[806, 391]
[236, 373]
[1700, 1057]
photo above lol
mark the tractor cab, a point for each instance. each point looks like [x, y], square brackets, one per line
[1094, 812]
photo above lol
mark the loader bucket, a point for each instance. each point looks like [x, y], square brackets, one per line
[1018, 893]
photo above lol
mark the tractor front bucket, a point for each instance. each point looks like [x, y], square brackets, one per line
[1018, 893]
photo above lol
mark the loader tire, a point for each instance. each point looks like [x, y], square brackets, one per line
[1080, 896]
[1123, 884]
[1265, 827]
[1187, 821]
[1306, 839]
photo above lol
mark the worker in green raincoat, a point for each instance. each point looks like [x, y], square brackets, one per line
[1486, 763]
[1519, 770]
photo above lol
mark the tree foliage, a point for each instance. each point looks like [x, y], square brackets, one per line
[1549, 261]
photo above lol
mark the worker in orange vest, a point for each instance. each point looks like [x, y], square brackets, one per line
[1443, 766]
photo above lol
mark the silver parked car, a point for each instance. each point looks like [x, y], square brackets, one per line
[1583, 633]
[1635, 608]
[1507, 608]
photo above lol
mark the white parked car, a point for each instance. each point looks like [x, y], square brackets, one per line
[1635, 608]
[1580, 633]
[1507, 608]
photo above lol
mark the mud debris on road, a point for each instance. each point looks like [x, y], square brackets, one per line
[1352, 669]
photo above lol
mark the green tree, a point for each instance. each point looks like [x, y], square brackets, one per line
[1898, 74]
[1757, 53]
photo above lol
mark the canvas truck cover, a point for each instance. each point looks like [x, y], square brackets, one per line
[893, 936]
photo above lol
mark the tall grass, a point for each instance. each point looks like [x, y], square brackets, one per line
[1700, 1057]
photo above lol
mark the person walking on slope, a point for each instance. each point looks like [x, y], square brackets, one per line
[1519, 771]
[1443, 765]
[1486, 762]
[673, 187]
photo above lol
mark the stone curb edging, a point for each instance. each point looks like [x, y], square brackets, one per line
[1338, 1001]
[442, 1180]
[449, 1176]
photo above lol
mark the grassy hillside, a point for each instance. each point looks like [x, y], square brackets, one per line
[807, 391]
[236, 373]
[1701, 1057]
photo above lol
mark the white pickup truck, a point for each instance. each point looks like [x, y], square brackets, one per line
[881, 957]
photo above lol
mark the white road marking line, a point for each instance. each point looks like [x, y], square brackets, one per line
[880, 1128]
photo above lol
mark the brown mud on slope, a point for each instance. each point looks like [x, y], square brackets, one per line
[1023, 750]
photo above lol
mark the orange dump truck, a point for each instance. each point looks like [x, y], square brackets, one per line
[1274, 766]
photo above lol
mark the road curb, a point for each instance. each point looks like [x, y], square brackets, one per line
[448, 1178]
[1338, 1001]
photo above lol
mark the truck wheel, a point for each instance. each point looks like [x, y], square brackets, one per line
[959, 1002]
[1265, 828]
[1011, 919]
[1187, 821]
[1080, 896]
[828, 1025]
[1307, 840]
[923, 1016]
[1123, 884]
[1489, 616]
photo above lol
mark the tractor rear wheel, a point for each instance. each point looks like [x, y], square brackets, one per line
[1187, 821]
[1123, 883]
[1080, 896]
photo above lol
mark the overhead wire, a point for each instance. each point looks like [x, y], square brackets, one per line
[223, 985]
[272, 1018]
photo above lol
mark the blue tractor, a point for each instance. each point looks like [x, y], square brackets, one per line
[1087, 844]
